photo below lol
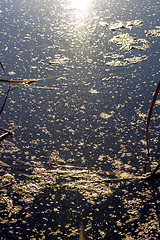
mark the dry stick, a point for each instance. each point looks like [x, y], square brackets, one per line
[150, 113]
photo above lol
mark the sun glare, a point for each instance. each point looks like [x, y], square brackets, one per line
[80, 4]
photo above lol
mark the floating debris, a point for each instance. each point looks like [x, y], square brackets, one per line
[88, 183]
[53, 116]
[116, 63]
[6, 180]
[127, 42]
[114, 56]
[58, 61]
[94, 91]
[158, 102]
[154, 32]
[101, 157]
[11, 73]
[126, 61]
[144, 44]
[135, 59]
[122, 24]
[124, 40]
[105, 115]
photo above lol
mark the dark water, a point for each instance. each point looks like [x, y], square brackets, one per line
[93, 119]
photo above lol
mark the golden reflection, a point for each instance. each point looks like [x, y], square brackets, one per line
[80, 5]
[79, 20]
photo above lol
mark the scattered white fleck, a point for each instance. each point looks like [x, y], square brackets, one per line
[158, 102]
[11, 73]
[105, 115]
[94, 91]
[100, 158]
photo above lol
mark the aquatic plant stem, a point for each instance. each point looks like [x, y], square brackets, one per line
[7, 93]
[150, 113]
[4, 70]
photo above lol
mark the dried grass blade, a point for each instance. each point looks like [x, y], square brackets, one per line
[36, 87]
[31, 80]
[150, 113]
[42, 87]
[19, 81]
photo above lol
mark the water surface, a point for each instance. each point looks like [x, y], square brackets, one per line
[102, 62]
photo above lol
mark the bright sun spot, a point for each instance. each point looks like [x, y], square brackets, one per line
[80, 4]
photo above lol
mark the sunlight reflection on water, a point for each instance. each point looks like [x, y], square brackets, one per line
[80, 5]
